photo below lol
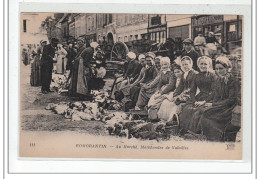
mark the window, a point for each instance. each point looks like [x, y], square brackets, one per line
[136, 37]
[119, 39]
[125, 39]
[24, 25]
[232, 27]
[181, 32]
[130, 38]
[110, 18]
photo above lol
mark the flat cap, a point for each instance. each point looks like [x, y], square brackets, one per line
[150, 54]
[188, 41]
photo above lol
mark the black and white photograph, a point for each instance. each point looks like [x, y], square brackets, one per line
[131, 86]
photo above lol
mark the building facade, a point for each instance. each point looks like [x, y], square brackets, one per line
[178, 27]
[157, 27]
[131, 27]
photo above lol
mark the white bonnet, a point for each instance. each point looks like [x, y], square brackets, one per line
[165, 59]
[131, 55]
[94, 45]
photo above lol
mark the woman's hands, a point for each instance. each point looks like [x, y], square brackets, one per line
[208, 104]
[199, 103]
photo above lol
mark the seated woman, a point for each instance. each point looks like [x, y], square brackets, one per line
[203, 82]
[171, 106]
[168, 108]
[161, 85]
[148, 73]
[216, 119]
[121, 82]
[157, 62]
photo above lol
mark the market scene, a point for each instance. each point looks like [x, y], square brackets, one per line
[143, 76]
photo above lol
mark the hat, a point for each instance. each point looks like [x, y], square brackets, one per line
[141, 56]
[150, 54]
[81, 39]
[158, 57]
[188, 41]
[131, 55]
[54, 40]
[165, 59]
[42, 41]
[94, 44]
[224, 61]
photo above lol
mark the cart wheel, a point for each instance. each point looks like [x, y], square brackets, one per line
[119, 51]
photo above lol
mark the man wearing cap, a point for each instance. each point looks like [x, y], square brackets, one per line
[199, 43]
[40, 48]
[47, 64]
[189, 51]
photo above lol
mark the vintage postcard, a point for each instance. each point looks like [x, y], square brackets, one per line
[131, 86]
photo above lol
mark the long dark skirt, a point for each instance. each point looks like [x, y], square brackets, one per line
[78, 83]
[215, 120]
[190, 117]
[134, 93]
[35, 78]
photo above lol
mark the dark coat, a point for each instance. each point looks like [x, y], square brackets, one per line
[168, 80]
[47, 56]
[205, 83]
[131, 69]
[215, 119]
[190, 115]
[185, 83]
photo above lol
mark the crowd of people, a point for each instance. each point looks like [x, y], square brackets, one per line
[192, 91]
[196, 90]
[85, 63]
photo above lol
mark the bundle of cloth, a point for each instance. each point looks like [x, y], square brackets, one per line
[59, 83]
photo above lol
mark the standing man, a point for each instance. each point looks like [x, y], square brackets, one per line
[189, 51]
[47, 64]
[40, 48]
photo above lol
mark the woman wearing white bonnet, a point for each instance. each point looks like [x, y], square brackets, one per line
[166, 84]
[61, 62]
[162, 84]
[218, 122]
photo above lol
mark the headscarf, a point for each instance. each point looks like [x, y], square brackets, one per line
[165, 59]
[224, 61]
[81, 39]
[187, 58]
[158, 57]
[59, 45]
[150, 54]
[141, 56]
[131, 55]
[94, 45]
[227, 64]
